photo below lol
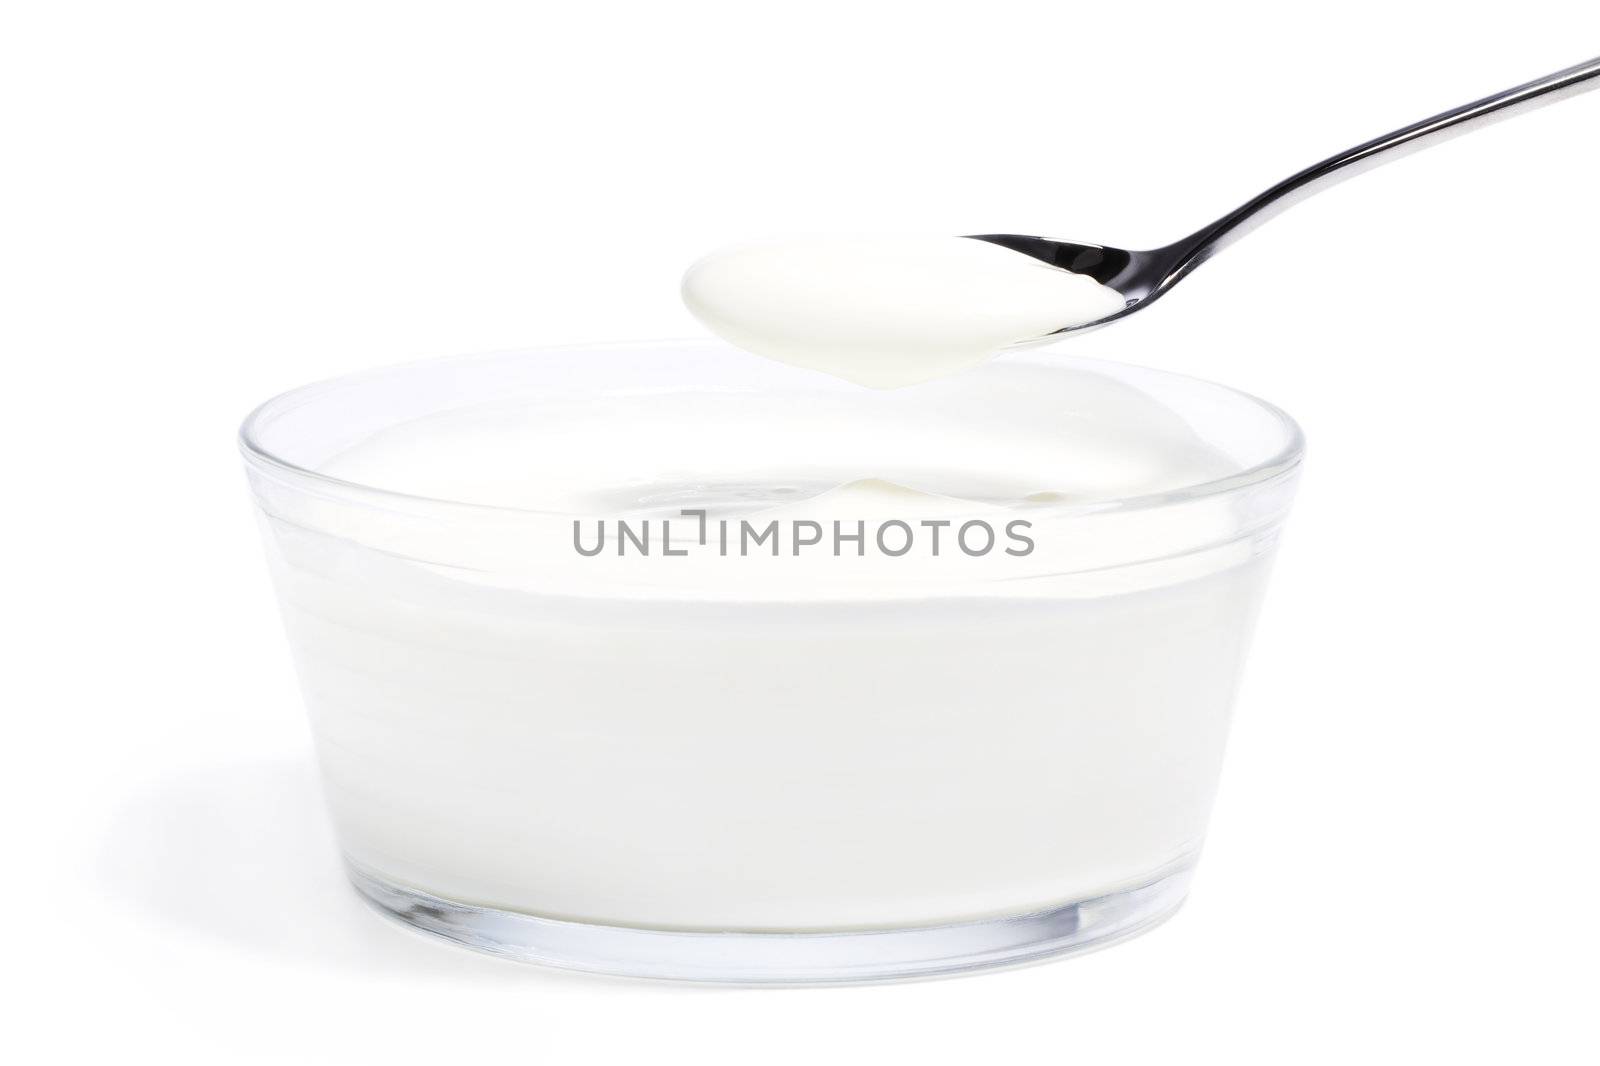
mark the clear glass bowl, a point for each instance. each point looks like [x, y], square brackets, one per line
[665, 660]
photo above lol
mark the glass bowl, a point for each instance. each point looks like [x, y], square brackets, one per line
[664, 660]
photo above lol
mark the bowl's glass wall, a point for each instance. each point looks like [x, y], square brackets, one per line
[795, 741]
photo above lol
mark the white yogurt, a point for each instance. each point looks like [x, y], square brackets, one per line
[777, 766]
[776, 742]
[887, 311]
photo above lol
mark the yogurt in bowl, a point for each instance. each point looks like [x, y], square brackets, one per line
[661, 660]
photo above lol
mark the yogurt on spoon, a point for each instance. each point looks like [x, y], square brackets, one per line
[887, 311]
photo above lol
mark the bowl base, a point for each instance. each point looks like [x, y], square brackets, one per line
[786, 958]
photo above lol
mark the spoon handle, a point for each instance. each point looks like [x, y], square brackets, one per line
[1206, 242]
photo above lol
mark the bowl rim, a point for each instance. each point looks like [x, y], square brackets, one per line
[1280, 465]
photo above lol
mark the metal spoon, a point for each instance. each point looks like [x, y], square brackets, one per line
[1142, 276]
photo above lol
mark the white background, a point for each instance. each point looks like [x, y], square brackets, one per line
[206, 203]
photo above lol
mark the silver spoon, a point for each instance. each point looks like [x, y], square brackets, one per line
[1142, 276]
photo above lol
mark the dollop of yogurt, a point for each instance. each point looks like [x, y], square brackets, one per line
[886, 311]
